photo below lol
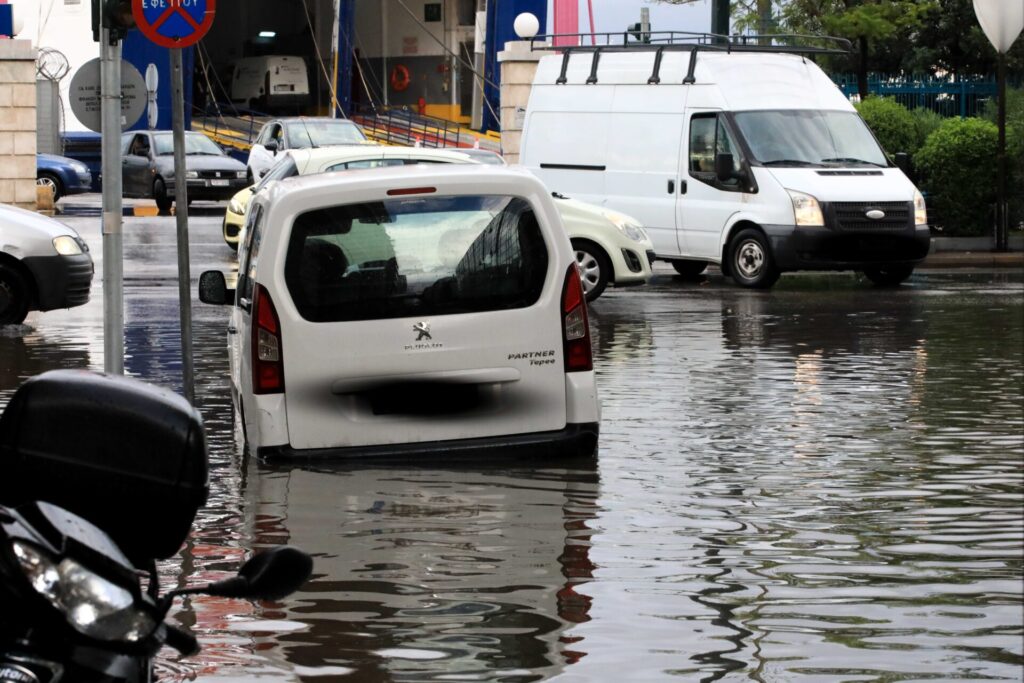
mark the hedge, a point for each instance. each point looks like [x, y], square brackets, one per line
[892, 124]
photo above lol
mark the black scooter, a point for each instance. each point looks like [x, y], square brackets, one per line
[99, 478]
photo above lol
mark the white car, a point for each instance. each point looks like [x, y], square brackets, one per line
[409, 311]
[611, 247]
[280, 135]
[44, 265]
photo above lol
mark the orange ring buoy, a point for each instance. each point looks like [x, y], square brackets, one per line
[400, 78]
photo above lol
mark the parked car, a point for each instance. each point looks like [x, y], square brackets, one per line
[409, 311]
[148, 168]
[62, 175]
[44, 265]
[749, 159]
[611, 247]
[281, 135]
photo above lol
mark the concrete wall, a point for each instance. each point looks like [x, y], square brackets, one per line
[518, 66]
[18, 123]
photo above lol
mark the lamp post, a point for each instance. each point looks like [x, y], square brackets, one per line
[1002, 21]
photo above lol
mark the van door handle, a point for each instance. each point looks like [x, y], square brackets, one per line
[671, 187]
[682, 187]
[232, 330]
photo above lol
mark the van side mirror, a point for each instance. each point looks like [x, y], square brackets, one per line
[723, 167]
[213, 289]
[271, 146]
[902, 161]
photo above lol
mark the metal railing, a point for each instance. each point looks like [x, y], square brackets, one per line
[653, 41]
[964, 96]
[400, 126]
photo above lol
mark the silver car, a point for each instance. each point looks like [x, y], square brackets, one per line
[148, 168]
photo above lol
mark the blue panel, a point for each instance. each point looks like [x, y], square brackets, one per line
[6, 20]
[346, 23]
[137, 49]
[501, 15]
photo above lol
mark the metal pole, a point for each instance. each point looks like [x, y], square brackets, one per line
[113, 250]
[335, 48]
[181, 216]
[1002, 210]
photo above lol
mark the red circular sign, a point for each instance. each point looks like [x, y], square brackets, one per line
[174, 23]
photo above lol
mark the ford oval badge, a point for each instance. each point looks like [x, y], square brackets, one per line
[875, 214]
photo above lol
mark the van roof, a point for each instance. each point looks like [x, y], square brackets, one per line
[373, 184]
[742, 80]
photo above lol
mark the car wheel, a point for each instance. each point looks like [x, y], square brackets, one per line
[595, 267]
[163, 202]
[888, 276]
[14, 296]
[690, 269]
[750, 260]
[53, 182]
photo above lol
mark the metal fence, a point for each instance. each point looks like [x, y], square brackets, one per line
[944, 96]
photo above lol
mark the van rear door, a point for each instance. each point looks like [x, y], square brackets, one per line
[421, 319]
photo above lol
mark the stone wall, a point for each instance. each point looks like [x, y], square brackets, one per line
[18, 123]
[518, 66]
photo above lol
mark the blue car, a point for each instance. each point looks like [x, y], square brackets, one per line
[65, 176]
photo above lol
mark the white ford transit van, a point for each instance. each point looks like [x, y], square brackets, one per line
[409, 311]
[749, 158]
[270, 83]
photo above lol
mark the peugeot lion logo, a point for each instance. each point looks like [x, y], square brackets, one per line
[423, 330]
[875, 214]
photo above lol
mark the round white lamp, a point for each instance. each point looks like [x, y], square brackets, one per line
[526, 26]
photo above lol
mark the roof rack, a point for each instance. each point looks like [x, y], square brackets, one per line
[685, 41]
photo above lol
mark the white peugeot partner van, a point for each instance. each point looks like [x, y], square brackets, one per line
[747, 157]
[406, 311]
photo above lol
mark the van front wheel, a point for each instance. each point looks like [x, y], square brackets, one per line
[750, 260]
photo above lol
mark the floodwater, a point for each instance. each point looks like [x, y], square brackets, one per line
[818, 483]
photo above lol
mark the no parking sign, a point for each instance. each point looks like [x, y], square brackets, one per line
[174, 23]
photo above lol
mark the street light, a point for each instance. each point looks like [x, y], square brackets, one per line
[1002, 21]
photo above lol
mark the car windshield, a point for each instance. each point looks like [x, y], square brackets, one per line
[805, 137]
[195, 143]
[304, 134]
[415, 257]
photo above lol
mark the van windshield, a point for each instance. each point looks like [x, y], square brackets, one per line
[415, 257]
[305, 134]
[805, 137]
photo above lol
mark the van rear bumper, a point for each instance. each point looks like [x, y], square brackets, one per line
[822, 249]
[574, 441]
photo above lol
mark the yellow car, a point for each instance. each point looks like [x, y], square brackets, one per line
[611, 248]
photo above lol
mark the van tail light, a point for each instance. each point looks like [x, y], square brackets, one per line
[576, 324]
[267, 352]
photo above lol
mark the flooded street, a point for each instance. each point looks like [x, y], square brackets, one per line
[819, 483]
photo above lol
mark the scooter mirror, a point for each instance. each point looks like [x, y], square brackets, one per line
[270, 575]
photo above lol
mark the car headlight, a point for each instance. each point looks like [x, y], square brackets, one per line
[626, 225]
[806, 210]
[191, 175]
[236, 207]
[66, 245]
[240, 174]
[80, 168]
[920, 212]
[92, 605]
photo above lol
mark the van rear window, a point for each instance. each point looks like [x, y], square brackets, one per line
[415, 257]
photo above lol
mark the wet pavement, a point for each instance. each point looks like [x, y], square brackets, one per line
[818, 483]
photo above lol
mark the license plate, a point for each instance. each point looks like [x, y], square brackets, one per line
[219, 183]
[284, 88]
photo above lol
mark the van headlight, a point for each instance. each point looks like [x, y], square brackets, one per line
[92, 605]
[920, 212]
[66, 245]
[191, 175]
[806, 210]
[626, 225]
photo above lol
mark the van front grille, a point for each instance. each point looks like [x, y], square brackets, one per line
[850, 217]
